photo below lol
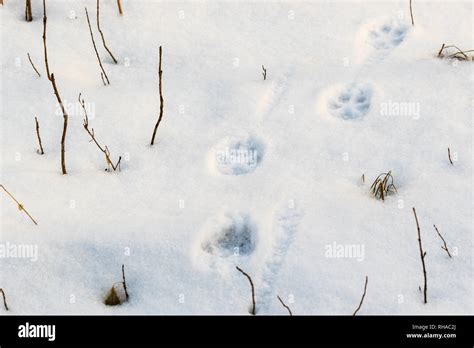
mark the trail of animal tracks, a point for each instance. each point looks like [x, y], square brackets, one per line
[260, 174]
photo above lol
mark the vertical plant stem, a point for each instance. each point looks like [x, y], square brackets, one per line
[41, 151]
[422, 255]
[1, 290]
[160, 74]
[253, 312]
[363, 295]
[284, 305]
[102, 35]
[119, 4]
[31, 62]
[95, 47]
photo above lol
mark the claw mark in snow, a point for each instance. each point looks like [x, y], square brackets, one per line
[274, 93]
[286, 225]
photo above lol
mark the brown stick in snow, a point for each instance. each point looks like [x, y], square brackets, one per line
[1, 290]
[119, 4]
[422, 255]
[363, 295]
[65, 119]
[20, 206]
[445, 247]
[449, 156]
[95, 47]
[411, 14]
[284, 305]
[102, 35]
[160, 74]
[124, 282]
[31, 62]
[40, 151]
[56, 93]
[28, 12]
[253, 289]
[44, 41]
[104, 149]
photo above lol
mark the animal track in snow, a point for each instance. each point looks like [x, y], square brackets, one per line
[348, 102]
[387, 35]
[274, 92]
[284, 231]
[236, 155]
[229, 234]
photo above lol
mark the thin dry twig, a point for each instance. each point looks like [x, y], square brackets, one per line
[363, 295]
[253, 289]
[31, 62]
[422, 255]
[20, 205]
[264, 73]
[56, 93]
[284, 305]
[104, 149]
[124, 282]
[44, 41]
[102, 35]
[445, 247]
[95, 47]
[160, 74]
[449, 156]
[3, 292]
[411, 14]
[40, 151]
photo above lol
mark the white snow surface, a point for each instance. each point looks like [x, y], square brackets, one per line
[179, 219]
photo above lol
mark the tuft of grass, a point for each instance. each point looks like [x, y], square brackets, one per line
[383, 186]
[112, 298]
[454, 52]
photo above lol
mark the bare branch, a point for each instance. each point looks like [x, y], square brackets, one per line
[44, 41]
[422, 255]
[102, 35]
[363, 295]
[95, 47]
[124, 282]
[264, 73]
[31, 62]
[284, 305]
[445, 247]
[253, 289]
[40, 151]
[160, 74]
[449, 156]
[104, 149]
[1, 290]
[56, 93]
[411, 14]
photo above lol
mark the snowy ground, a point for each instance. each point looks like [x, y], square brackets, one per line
[338, 72]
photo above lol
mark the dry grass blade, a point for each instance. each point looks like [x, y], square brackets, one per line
[20, 206]
[383, 186]
[458, 54]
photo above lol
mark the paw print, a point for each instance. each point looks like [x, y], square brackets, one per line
[388, 35]
[351, 102]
